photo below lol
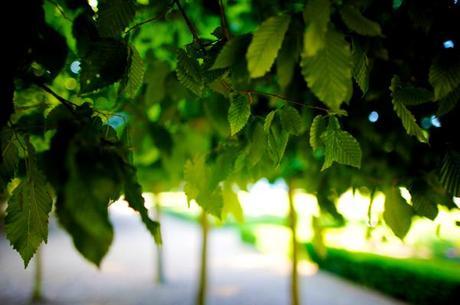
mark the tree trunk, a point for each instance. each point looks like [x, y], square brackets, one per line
[295, 297]
[203, 281]
[38, 277]
[160, 275]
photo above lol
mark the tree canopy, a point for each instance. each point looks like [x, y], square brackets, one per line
[102, 99]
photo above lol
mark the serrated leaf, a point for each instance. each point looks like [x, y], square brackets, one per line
[340, 146]
[277, 140]
[265, 44]
[423, 206]
[356, 22]
[231, 52]
[318, 126]
[407, 118]
[328, 73]
[398, 213]
[231, 203]
[133, 195]
[411, 96]
[450, 173]
[114, 16]
[316, 15]
[9, 155]
[291, 121]
[26, 221]
[361, 68]
[269, 119]
[135, 74]
[449, 102]
[444, 76]
[288, 56]
[256, 145]
[238, 112]
[189, 73]
[105, 63]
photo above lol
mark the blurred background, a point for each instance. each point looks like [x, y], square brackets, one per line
[248, 262]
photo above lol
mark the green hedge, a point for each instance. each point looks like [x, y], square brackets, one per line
[419, 282]
[413, 280]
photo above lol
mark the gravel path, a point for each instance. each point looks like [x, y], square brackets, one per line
[239, 275]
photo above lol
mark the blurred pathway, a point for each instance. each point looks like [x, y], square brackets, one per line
[239, 275]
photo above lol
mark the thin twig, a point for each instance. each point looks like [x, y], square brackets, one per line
[161, 15]
[223, 20]
[62, 100]
[283, 98]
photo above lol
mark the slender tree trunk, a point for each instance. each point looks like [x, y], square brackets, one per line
[38, 277]
[160, 274]
[295, 297]
[203, 281]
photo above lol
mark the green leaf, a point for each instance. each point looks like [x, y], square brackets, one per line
[256, 144]
[135, 75]
[398, 213]
[450, 173]
[407, 118]
[356, 22]
[291, 121]
[9, 156]
[444, 76]
[231, 203]
[198, 186]
[316, 15]
[231, 52]
[114, 16]
[340, 146]
[449, 102]
[238, 112]
[361, 68]
[277, 141]
[288, 56]
[195, 177]
[423, 201]
[211, 201]
[328, 73]
[269, 119]
[155, 78]
[265, 45]
[189, 73]
[133, 195]
[318, 126]
[26, 222]
[105, 63]
[410, 96]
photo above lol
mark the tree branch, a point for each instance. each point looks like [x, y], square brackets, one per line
[190, 25]
[68, 104]
[284, 98]
[161, 15]
[223, 20]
